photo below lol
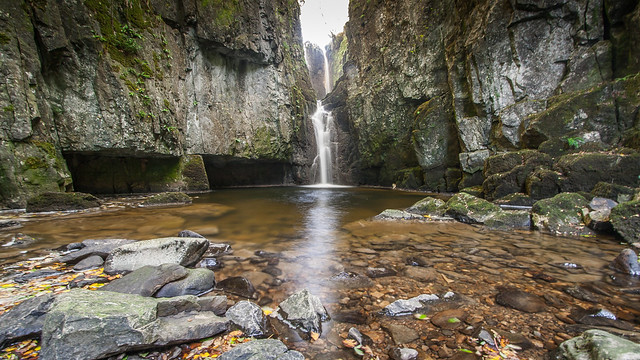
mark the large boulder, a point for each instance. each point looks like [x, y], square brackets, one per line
[265, 349]
[57, 201]
[583, 171]
[616, 192]
[84, 324]
[470, 209]
[510, 219]
[147, 280]
[560, 215]
[625, 219]
[427, 206]
[596, 345]
[175, 250]
[627, 262]
[197, 282]
[506, 173]
[302, 312]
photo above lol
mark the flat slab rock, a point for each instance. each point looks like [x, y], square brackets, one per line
[267, 349]
[147, 280]
[520, 300]
[171, 250]
[596, 345]
[85, 325]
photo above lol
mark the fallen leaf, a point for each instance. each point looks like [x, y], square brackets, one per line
[315, 336]
[350, 343]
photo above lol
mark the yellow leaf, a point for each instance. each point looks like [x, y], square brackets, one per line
[315, 336]
[350, 343]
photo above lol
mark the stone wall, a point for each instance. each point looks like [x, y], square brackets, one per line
[144, 79]
[432, 89]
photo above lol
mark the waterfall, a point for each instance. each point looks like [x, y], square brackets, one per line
[327, 73]
[322, 126]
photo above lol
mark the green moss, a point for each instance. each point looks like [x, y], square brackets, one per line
[9, 108]
[194, 173]
[225, 11]
[4, 38]
[33, 162]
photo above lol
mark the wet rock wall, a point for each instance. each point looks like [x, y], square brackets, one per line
[432, 89]
[149, 79]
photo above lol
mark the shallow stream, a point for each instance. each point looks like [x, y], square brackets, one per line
[323, 239]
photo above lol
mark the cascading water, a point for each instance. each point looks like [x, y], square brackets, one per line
[322, 125]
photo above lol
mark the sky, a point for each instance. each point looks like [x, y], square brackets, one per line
[322, 17]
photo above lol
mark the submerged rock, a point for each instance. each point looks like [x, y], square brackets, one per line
[237, 285]
[84, 324]
[302, 312]
[57, 201]
[265, 349]
[197, 282]
[415, 304]
[147, 280]
[174, 250]
[627, 262]
[249, 318]
[393, 214]
[596, 345]
[520, 300]
[560, 215]
[401, 334]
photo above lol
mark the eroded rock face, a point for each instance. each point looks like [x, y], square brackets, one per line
[155, 78]
[459, 81]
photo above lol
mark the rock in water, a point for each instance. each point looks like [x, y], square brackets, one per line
[625, 219]
[197, 282]
[249, 318]
[520, 300]
[410, 306]
[237, 285]
[167, 198]
[24, 320]
[57, 201]
[266, 349]
[92, 262]
[627, 262]
[84, 325]
[174, 250]
[147, 280]
[404, 354]
[596, 345]
[470, 209]
[427, 206]
[560, 215]
[189, 233]
[302, 312]
[94, 247]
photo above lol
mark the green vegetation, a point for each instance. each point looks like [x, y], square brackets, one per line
[225, 11]
[9, 108]
[575, 142]
[4, 39]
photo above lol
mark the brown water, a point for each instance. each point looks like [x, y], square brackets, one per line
[316, 234]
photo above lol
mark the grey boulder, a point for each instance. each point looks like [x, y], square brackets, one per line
[147, 280]
[301, 312]
[83, 325]
[94, 247]
[174, 250]
[197, 282]
[249, 318]
[266, 349]
[627, 262]
[596, 345]
[24, 320]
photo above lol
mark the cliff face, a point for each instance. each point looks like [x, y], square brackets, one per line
[315, 63]
[117, 82]
[431, 89]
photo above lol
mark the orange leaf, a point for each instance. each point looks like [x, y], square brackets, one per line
[350, 343]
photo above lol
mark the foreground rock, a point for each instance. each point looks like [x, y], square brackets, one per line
[267, 349]
[24, 320]
[56, 201]
[168, 198]
[174, 250]
[93, 247]
[625, 219]
[249, 318]
[302, 313]
[597, 345]
[428, 206]
[147, 280]
[627, 262]
[197, 282]
[85, 324]
[560, 215]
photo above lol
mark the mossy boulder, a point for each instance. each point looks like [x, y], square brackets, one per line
[473, 190]
[509, 219]
[507, 173]
[560, 215]
[625, 219]
[516, 199]
[428, 206]
[615, 192]
[584, 170]
[57, 201]
[543, 183]
[595, 345]
[194, 173]
[470, 209]
[167, 198]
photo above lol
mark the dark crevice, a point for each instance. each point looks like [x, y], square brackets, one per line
[228, 171]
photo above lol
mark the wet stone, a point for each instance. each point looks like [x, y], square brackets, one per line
[418, 261]
[249, 318]
[265, 349]
[581, 293]
[410, 306]
[380, 272]
[147, 280]
[237, 285]
[627, 263]
[401, 334]
[421, 273]
[350, 280]
[197, 282]
[191, 234]
[404, 354]
[520, 300]
[210, 263]
[92, 262]
[38, 274]
[216, 250]
[356, 335]
[272, 270]
[449, 319]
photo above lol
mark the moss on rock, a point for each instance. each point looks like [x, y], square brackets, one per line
[560, 215]
[470, 209]
[56, 201]
[428, 206]
[625, 219]
[167, 198]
